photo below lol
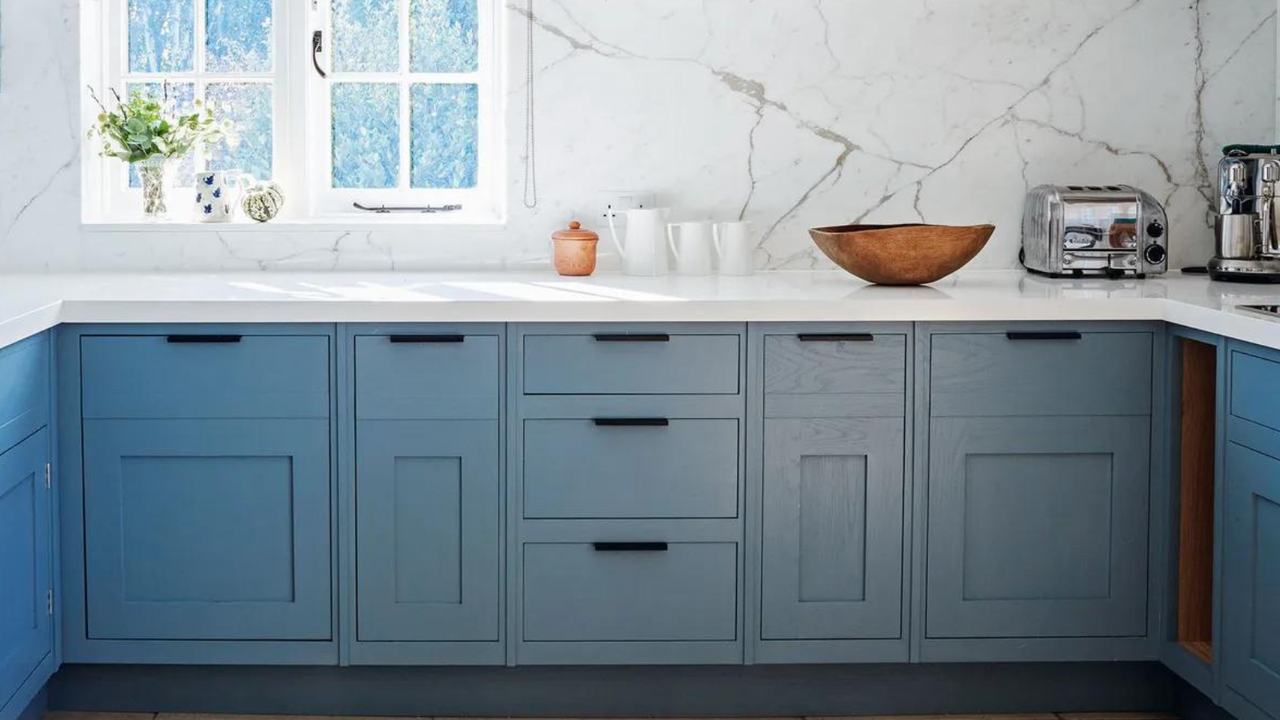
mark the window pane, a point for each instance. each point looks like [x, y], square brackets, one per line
[366, 36]
[161, 35]
[182, 98]
[444, 126]
[444, 36]
[237, 35]
[248, 105]
[366, 135]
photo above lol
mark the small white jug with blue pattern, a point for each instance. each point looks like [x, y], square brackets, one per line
[213, 196]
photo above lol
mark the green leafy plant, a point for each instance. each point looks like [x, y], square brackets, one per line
[144, 128]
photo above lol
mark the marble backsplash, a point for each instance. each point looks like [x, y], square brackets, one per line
[789, 113]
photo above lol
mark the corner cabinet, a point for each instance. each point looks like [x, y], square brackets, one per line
[27, 548]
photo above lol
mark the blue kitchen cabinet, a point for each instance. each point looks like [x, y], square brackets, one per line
[1251, 542]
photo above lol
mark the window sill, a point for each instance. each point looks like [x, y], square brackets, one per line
[293, 225]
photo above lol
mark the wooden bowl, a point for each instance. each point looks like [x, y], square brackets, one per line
[901, 254]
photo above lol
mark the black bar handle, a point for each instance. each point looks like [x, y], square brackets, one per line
[427, 339]
[1067, 335]
[630, 546]
[631, 422]
[861, 337]
[204, 339]
[650, 338]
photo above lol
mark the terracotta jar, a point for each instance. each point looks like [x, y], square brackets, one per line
[575, 250]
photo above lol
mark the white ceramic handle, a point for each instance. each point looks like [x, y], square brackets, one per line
[613, 232]
[715, 238]
[671, 241]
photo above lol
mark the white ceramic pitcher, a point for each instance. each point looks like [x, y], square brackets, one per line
[691, 244]
[645, 250]
[736, 247]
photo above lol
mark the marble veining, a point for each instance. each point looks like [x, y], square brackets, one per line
[788, 113]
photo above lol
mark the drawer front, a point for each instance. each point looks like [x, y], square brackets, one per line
[631, 468]
[835, 375]
[1035, 373]
[427, 377]
[584, 592]
[205, 376]
[634, 364]
[24, 390]
[1255, 385]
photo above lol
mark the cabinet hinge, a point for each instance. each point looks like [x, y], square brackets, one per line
[48, 476]
[49, 601]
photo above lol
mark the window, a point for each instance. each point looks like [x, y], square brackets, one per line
[399, 107]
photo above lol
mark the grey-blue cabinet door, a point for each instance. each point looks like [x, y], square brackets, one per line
[831, 558]
[208, 529]
[427, 530]
[1037, 527]
[1251, 581]
[26, 576]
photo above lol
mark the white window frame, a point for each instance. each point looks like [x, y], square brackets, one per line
[301, 161]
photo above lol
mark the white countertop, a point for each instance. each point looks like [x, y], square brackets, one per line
[30, 303]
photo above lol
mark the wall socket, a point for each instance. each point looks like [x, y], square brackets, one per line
[618, 202]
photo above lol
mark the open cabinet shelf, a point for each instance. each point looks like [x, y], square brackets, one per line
[1197, 429]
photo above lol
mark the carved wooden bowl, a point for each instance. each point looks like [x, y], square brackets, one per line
[901, 254]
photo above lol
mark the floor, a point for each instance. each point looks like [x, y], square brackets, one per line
[1028, 716]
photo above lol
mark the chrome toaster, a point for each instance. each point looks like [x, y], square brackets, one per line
[1094, 230]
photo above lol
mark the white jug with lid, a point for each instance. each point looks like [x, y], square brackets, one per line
[645, 250]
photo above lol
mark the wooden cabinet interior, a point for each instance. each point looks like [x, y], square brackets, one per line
[1196, 498]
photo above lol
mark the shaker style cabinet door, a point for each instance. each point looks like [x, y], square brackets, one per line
[26, 623]
[1251, 581]
[832, 540]
[207, 529]
[427, 531]
[1037, 527]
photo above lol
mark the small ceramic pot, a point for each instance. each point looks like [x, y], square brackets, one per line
[575, 250]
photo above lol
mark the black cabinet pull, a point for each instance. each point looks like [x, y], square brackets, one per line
[204, 339]
[427, 339]
[630, 546]
[862, 337]
[1068, 335]
[652, 338]
[631, 422]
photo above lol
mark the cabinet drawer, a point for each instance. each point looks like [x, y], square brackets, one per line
[835, 374]
[631, 364]
[1040, 373]
[584, 592]
[631, 468]
[24, 390]
[205, 376]
[427, 377]
[1255, 385]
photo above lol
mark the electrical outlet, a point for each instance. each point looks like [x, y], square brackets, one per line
[618, 202]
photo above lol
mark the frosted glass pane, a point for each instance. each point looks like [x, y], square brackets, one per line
[444, 123]
[162, 35]
[366, 36]
[183, 95]
[366, 135]
[238, 35]
[444, 36]
[248, 105]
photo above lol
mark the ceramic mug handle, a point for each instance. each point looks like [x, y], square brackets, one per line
[671, 241]
[715, 239]
[613, 232]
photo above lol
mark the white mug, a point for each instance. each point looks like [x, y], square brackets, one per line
[736, 248]
[213, 197]
[644, 251]
[693, 250]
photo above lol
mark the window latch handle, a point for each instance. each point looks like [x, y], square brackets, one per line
[317, 47]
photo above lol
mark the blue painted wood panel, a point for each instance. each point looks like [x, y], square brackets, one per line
[24, 389]
[260, 376]
[589, 364]
[578, 469]
[994, 374]
[575, 592]
[832, 533]
[207, 529]
[427, 376]
[1251, 580]
[26, 571]
[1037, 527]
[815, 374]
[1255, 387]
[428, 531]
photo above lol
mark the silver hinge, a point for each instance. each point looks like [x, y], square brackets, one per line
[49, 601]
[48, 476]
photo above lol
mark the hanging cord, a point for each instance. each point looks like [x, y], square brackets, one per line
[530, 141]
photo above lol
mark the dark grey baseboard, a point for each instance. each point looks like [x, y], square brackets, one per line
[703, 691]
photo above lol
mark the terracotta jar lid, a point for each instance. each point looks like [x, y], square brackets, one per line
[575, 232]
